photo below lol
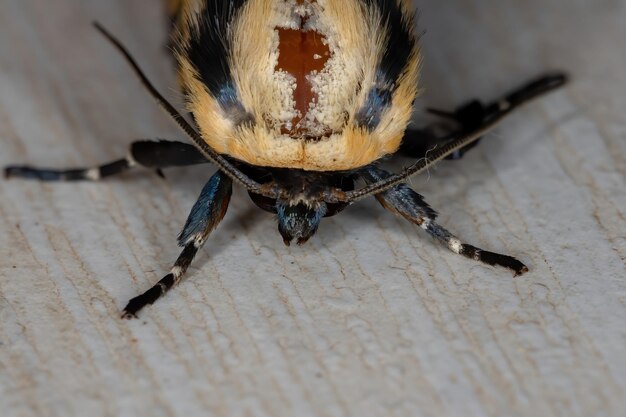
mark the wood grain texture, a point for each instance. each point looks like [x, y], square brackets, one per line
[370, 318]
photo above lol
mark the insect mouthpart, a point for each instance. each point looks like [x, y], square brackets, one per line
[299, 219]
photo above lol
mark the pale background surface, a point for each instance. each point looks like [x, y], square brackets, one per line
[370, 318]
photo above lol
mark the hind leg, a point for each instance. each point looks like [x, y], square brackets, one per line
[148, 154]
[417, 142]
[471, 117]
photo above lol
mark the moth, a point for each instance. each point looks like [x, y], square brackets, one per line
[298, 102]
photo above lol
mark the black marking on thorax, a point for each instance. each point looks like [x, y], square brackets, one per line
[397, 52]
[209, 51]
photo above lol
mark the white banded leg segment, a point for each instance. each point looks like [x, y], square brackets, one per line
[74, 174]
[405, 202]
[205, 215]
[164, 285]
[148, 154]
[472, 252]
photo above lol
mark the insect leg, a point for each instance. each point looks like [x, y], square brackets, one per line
[149, 154]
[205, 215]
[417, 142]
[405, 202]
[473, 116]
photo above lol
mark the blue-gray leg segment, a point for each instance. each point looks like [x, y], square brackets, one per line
[205, 215]
[148, 154]
[405, 202]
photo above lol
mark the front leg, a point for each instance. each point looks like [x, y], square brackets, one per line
[205, 215]
[405, 202]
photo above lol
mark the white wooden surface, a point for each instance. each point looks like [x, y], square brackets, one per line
[369, 319]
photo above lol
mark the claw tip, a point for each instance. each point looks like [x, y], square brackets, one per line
[521, 271]
[126, 315]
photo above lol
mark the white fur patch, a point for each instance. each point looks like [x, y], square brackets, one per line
[455, 245]
[176, 271]
[93, 174]
[130, 160]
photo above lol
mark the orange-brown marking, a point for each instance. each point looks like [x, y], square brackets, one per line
[300, 53]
